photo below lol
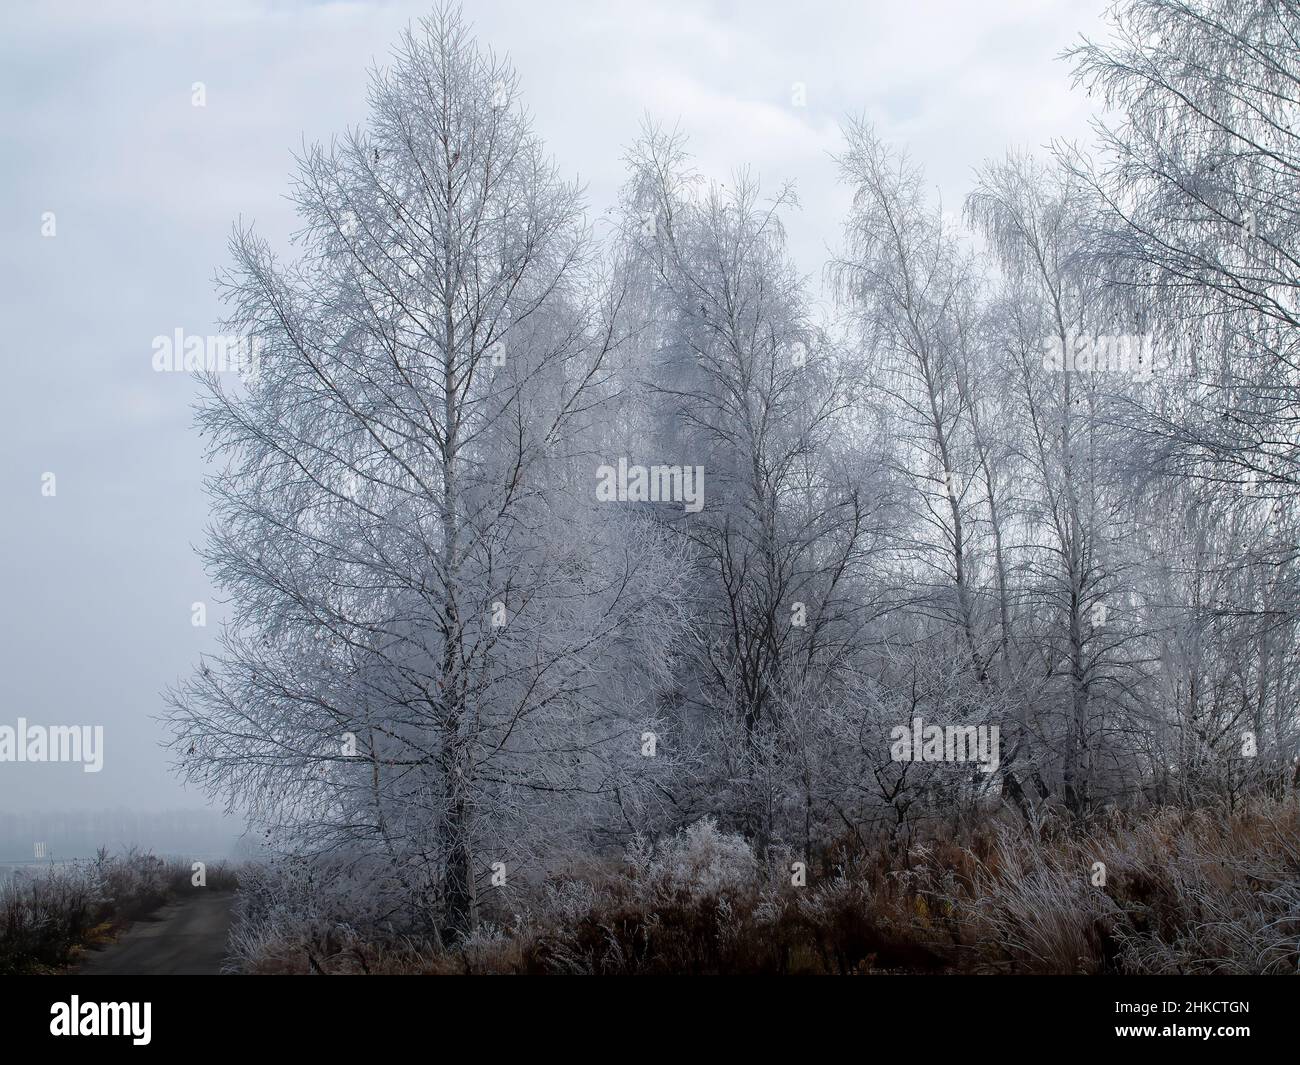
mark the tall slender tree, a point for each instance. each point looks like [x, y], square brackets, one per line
[441, 642]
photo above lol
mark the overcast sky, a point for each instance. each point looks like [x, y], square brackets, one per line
[97, 127]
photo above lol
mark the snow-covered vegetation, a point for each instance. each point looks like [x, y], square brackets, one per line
[1185, 892]
[1028, 474]
[47, 916]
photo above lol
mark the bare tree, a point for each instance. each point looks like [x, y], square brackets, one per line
[441, 642]
[1198, 176]
[742, 382]
[909, 291]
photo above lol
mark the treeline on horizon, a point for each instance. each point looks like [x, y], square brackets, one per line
[73, 834]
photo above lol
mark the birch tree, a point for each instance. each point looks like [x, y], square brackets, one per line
[441, 643]
[742, 381]
[1197, 171]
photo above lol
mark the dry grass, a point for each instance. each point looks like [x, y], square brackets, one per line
[1184, 892]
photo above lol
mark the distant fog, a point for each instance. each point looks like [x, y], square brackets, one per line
[57, 835]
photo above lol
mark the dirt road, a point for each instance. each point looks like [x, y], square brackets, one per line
[186, 937]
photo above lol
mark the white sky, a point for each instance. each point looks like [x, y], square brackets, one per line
[96, 125]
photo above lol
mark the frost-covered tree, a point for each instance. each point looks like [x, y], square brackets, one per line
[442, 647]
[1035, 218]
[1197, 172]
[739, 379]
[910, 295]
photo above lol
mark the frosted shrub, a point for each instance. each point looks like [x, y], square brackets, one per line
[703, 860]
[569, 901]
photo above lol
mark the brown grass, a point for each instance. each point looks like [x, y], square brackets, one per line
[1184, 892]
